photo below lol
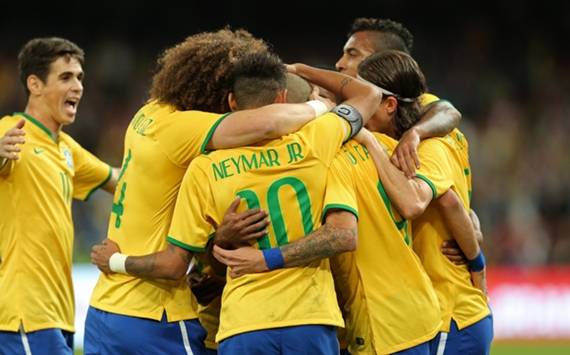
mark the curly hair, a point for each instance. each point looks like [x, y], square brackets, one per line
[398, 73]
[36, 57]
[390, 34]
[198, 74]
[259, 78]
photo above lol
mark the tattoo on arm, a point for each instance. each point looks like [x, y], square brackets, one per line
[140, 266]
[344, 82]
[323, 243]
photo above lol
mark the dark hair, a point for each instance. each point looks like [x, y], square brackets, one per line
[36, 57]
[398, 73]
[389, 34]
[198, 74]
[259, 78]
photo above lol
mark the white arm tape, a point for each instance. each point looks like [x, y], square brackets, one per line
[117, 263]
[319, 107]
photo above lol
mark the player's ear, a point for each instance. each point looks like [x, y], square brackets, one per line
[281, 97]
[232, 102]
[34, 85]
[391, 104]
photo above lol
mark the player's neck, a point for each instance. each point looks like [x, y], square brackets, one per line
[41, 114]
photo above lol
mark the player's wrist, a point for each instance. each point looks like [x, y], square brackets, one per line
[117, 263]
[273, 258]
[319, 107]
[477, 264]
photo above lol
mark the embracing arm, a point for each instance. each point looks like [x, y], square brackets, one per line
[268, 122]
[171, 263]
[439, 119]
[409, 196]
[339, 234]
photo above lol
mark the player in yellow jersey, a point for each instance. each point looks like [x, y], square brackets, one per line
[369, 35]
[41, 170]
[129, 314]
[288, 311]
[390, 304]
[467, 321]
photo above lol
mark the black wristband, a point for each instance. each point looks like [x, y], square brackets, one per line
[352, 116]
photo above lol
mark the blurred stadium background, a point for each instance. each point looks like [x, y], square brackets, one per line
[504, 65]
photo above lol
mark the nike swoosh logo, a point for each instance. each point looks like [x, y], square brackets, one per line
[38, 151]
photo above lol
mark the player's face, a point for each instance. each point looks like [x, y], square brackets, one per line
[62, 90]
[356, 48]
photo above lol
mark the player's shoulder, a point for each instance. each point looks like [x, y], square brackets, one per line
[9, 121]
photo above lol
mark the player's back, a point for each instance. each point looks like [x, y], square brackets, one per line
[445, 163]
[160, 143]
[390, 303]
[287, 177]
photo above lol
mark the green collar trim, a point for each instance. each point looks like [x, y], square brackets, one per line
[37, 123]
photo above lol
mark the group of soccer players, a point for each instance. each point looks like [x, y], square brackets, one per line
[335, 206]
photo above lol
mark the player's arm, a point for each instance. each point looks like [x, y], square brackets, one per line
[364, 97]
[8, 148]
[409, 196]
[439, 119]
[337, 235]
[268, 122]
[451, 250]
[171, 263]
[111, 184]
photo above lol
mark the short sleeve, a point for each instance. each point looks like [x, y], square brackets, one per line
[435, 168]
[184, 134]
[194, 213]
[326, 135]
[90, 172]
[340, 191]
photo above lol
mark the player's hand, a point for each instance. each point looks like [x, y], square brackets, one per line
[480, 281]
[101, 254]
[315, 95]
[241, 261]
[237, 228]
[205, 287]
[8, 147]
[405, 155]
[451, 251]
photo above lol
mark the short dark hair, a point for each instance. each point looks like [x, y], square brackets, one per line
[36, 57]
[398, 73]
[391, 34]
[259, 78]
[198, 74]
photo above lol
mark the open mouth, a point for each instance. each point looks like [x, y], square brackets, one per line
[72, 103]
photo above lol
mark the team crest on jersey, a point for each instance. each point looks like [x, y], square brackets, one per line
[68, 158]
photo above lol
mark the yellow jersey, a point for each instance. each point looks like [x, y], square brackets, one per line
[160, 143]
[36, 229]
[390, 303]
[445, 165]
[286, 177]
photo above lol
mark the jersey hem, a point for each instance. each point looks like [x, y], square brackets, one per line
[409, 344]
[473, 320]
[101, 184]
[263, 326]
[211, 133]
[138, 314]
[33, 328]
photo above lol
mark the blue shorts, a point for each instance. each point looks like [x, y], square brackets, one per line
[472, 340]
[212, 351]
[46, 341]
[299, 340]
[109, 333]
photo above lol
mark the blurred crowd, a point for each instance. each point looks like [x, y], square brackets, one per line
[515, 109]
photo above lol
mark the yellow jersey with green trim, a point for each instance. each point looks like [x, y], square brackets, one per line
[36, 229]
[445, 165]
[160, 143]
[287, 178]
[390, 304]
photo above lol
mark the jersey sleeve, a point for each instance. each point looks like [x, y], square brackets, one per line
[340, 192]
[90, 172]
[435, 169]
[326, 134]
[194, 213]
[185, 134]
